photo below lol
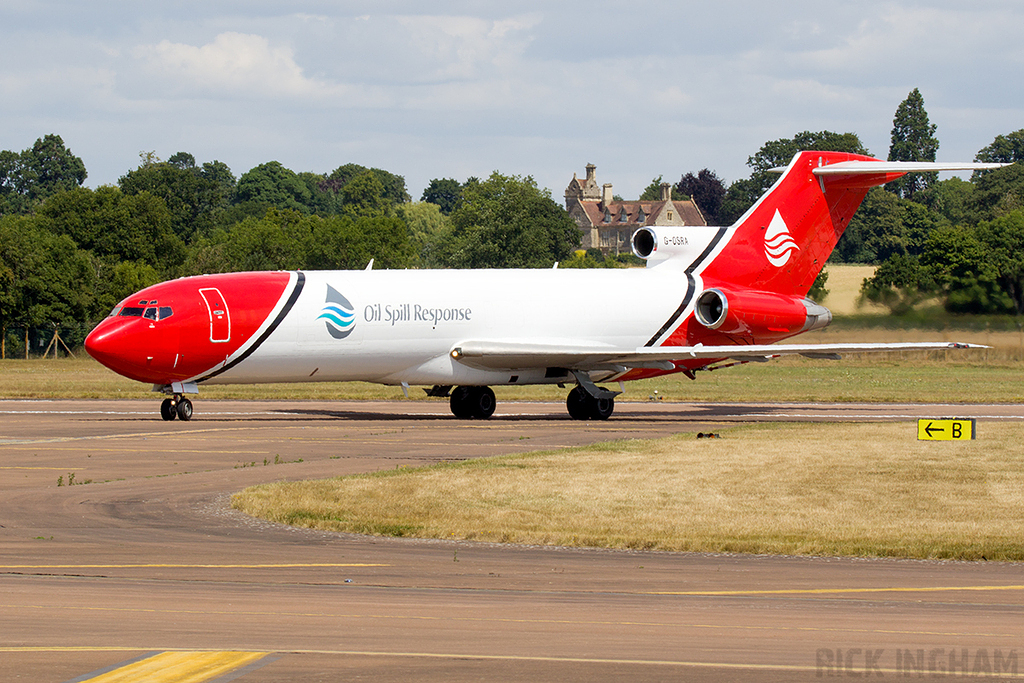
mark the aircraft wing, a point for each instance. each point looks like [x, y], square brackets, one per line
[512, 355]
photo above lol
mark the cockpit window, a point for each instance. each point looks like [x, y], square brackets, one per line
[149, 313]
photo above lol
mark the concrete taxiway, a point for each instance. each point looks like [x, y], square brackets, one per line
[145, 572]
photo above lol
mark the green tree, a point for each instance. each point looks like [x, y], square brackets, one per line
[277, 241]
[591, 258]
[885, 225]
[393, 185]
[1004, 239]
[953, 199]
[444, 192]
[899, 283]
[998, 192]
[323, 200]
[959, 263]
[364, 195]
[115, 226]
[196, 197]
[271, 184]
[36, 173]
[913, 139]
[52, 280]
[424, 221]
[1005, 149]
[505, 222]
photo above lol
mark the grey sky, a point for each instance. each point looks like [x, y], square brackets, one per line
[425, 90]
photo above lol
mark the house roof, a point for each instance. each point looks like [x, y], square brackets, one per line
[638, 213]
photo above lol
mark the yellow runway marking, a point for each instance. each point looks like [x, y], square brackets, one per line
[18, 467]
[188, 566]
[179, 667]
[881, 670]
[826, 591]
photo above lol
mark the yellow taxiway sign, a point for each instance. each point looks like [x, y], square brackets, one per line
[958, 429]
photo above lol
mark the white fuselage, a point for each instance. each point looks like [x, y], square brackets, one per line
[406, 323]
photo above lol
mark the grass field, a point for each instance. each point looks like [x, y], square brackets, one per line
[822, 489]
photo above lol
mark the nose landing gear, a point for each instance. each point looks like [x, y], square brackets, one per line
[176, 407]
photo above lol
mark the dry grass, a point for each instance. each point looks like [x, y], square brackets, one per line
[844, 282]
[852, 490]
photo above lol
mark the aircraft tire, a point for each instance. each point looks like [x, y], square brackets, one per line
[167, 411]
[601, 408]
[482, 402]
[184, 410]
[576, 404]
[581, 406]
[460, 404]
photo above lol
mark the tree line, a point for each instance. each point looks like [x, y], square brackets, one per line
[68, 253]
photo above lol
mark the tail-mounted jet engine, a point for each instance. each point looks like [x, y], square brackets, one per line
[758, 313]
[653, 245]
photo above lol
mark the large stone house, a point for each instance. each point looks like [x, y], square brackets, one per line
[609, 225]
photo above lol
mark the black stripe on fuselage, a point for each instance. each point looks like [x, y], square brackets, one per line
[299, 283]
[691, 284]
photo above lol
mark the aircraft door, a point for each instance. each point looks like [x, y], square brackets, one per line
[220, 317]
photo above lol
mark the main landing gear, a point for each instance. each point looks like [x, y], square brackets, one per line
[176, 407]
[583, 406]
[472, 403]
[586, 401]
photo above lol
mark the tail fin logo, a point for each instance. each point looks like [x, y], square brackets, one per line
[338, 313]
[778, 243]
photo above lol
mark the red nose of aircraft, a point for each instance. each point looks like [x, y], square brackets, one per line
[183, 329]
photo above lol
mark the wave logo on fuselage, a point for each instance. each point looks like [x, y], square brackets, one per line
[338, 313]
[778, 243]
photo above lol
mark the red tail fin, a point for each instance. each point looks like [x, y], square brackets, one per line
[781, 244]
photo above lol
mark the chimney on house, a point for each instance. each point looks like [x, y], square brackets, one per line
[606, 194]
[591, 171]
[666, 192]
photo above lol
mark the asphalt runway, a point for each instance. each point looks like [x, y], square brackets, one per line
[145, 572]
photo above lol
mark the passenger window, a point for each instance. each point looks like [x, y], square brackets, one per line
[150, 313]
[166, 312]
[131, 312]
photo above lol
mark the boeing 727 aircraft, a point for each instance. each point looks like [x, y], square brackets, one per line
[707, 296]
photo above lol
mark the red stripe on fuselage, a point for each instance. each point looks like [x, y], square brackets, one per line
[194, 339]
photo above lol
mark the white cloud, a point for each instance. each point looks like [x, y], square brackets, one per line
[235, 63]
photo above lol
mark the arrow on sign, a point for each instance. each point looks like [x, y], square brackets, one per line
[929, 429]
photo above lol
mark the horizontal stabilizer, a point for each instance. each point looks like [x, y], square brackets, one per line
[859, 167]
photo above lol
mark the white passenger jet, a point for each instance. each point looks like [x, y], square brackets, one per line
[707, 296]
